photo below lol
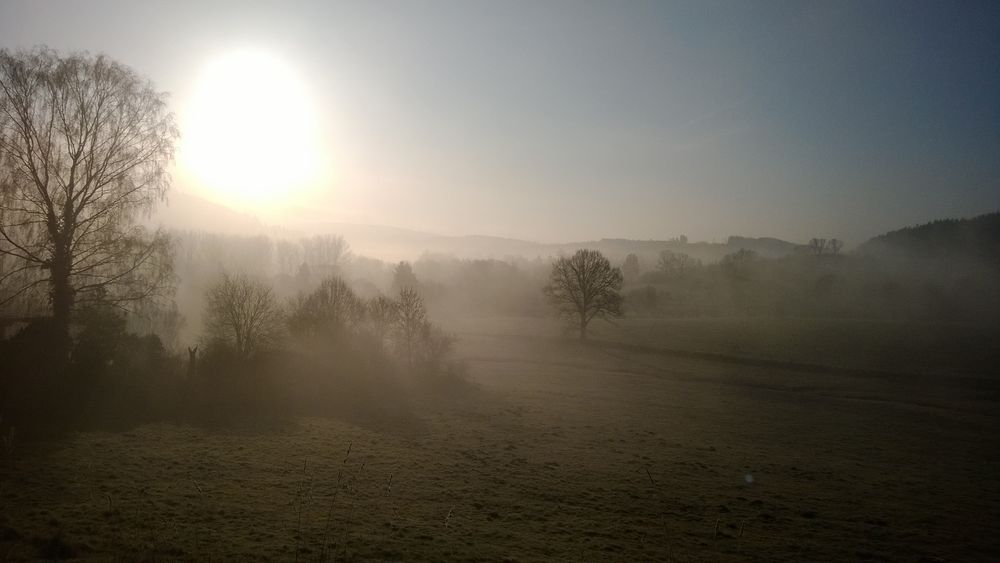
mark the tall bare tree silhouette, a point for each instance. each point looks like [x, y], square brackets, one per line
[84, 146]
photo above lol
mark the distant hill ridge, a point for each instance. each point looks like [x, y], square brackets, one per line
[978, 237]
[186, 212]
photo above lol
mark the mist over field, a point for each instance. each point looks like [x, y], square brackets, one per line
[499, 282]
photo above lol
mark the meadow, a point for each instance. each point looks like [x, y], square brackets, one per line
[648, 443]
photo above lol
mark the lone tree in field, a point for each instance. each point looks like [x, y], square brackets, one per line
[818, 246]
[244, 314]
[585, 286]
[84, 146]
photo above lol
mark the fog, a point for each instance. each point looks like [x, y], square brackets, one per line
[566, 122]
[499, 282]
[942, 272]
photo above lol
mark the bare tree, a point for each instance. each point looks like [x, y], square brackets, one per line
[84, 146]
[835, 245]
[630, 268]
[585, 286]
[288, 255]
[21, 284]
[192, 366]
[818, 246]
[382, 313]
[435, 348]
[326, 253]
[243, 313]
[331, 309]
[676, 264]
[740, 265]
[411, 321]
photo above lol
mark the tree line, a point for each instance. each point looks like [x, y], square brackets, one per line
[84, 146]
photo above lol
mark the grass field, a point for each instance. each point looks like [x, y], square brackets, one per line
[901, 347]
[555, 451]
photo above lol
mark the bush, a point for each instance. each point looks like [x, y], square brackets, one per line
[111, 378]
[231, 389]
[101, 337]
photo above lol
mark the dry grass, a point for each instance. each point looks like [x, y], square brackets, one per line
[560, 453]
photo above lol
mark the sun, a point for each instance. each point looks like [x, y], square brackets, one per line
[250, 132]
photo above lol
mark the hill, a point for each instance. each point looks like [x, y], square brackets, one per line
[188, 212]
[976, 238]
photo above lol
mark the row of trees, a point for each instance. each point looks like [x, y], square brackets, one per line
[674, 265]
[85, 143]
[245, 316]
[817, 281]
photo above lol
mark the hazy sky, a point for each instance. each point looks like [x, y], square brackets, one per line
[559, 121]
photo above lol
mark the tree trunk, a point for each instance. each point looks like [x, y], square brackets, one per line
[583, 327]
[62, 295]
[409, 353]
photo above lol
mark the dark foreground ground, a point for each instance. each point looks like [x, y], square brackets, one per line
[556, 452]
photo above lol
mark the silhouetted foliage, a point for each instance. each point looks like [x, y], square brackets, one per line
[28, 354]
[103, 330]
[113, 377]
[84, 147]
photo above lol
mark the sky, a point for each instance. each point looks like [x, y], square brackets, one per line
[558, 121]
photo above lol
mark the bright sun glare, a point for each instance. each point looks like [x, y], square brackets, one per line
[250, 132]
